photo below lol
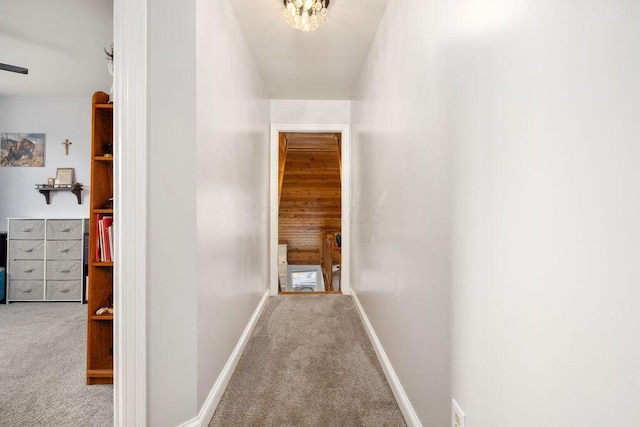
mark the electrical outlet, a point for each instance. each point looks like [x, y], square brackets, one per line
[457, 416]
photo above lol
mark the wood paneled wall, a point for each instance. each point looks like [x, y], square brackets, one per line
[310, 199]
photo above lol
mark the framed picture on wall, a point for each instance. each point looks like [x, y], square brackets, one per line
[22, 150]
[64, 177]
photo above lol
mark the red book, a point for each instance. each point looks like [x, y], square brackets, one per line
[106, 222]
[98, 220]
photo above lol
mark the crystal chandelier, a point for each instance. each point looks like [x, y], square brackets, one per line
[306, 15]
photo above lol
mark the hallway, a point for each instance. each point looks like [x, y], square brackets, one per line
[309, 362]
[489, 211]
[493, 206]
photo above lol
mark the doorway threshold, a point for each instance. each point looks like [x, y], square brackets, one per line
[310, 293]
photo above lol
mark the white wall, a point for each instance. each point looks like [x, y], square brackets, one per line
[232, 187]
[303, 111]
[546, 230]
[59, 119]
[172, 291]
[400, 208]
[525, 112]
[208, 200]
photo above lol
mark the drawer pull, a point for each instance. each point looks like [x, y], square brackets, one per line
[28, 270]
[66, 270]
[63, 291]
[65, 250]
[65, 230]
[26, 291]
[27, 230]
[28, 250]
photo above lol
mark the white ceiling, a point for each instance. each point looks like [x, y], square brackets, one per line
[61, 43]
[320, 64]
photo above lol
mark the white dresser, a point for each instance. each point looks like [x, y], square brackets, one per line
[45, 259]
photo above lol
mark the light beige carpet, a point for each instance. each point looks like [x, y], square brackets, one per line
[42, 368]
[308, 362]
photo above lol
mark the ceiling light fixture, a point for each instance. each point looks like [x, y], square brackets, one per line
[306, 15]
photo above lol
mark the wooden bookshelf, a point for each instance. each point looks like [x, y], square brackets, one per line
[100, 289]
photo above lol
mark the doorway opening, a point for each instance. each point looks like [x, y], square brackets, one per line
[309, 212]
[309, 191]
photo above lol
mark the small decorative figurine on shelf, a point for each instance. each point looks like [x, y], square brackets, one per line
[107, 309]
[107, 147]
[108, 204]
[110, 66]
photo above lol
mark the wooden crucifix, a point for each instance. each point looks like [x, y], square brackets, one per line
[66, 144]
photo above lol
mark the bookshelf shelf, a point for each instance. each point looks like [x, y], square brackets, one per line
[103, 159]
[101, 317]
[101, 373]
[101, 264]
[100, 289]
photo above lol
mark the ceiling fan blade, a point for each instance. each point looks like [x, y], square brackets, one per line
[13, 68]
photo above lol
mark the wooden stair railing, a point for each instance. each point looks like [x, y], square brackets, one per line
[282, 158]
[331, 253]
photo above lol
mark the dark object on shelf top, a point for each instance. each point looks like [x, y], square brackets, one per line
[13, 68]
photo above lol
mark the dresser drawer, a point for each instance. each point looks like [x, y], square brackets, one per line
[64, 249]
[64, 270]
[64, 229]
[26, 229]
[64, 290]
[19, 269]
[26, 290]
[26, 249]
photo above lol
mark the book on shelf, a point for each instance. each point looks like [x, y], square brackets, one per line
[104, 246]
[97, 248]
[110, 236]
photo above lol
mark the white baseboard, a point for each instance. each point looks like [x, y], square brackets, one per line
[211, 403]
[409, 414]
